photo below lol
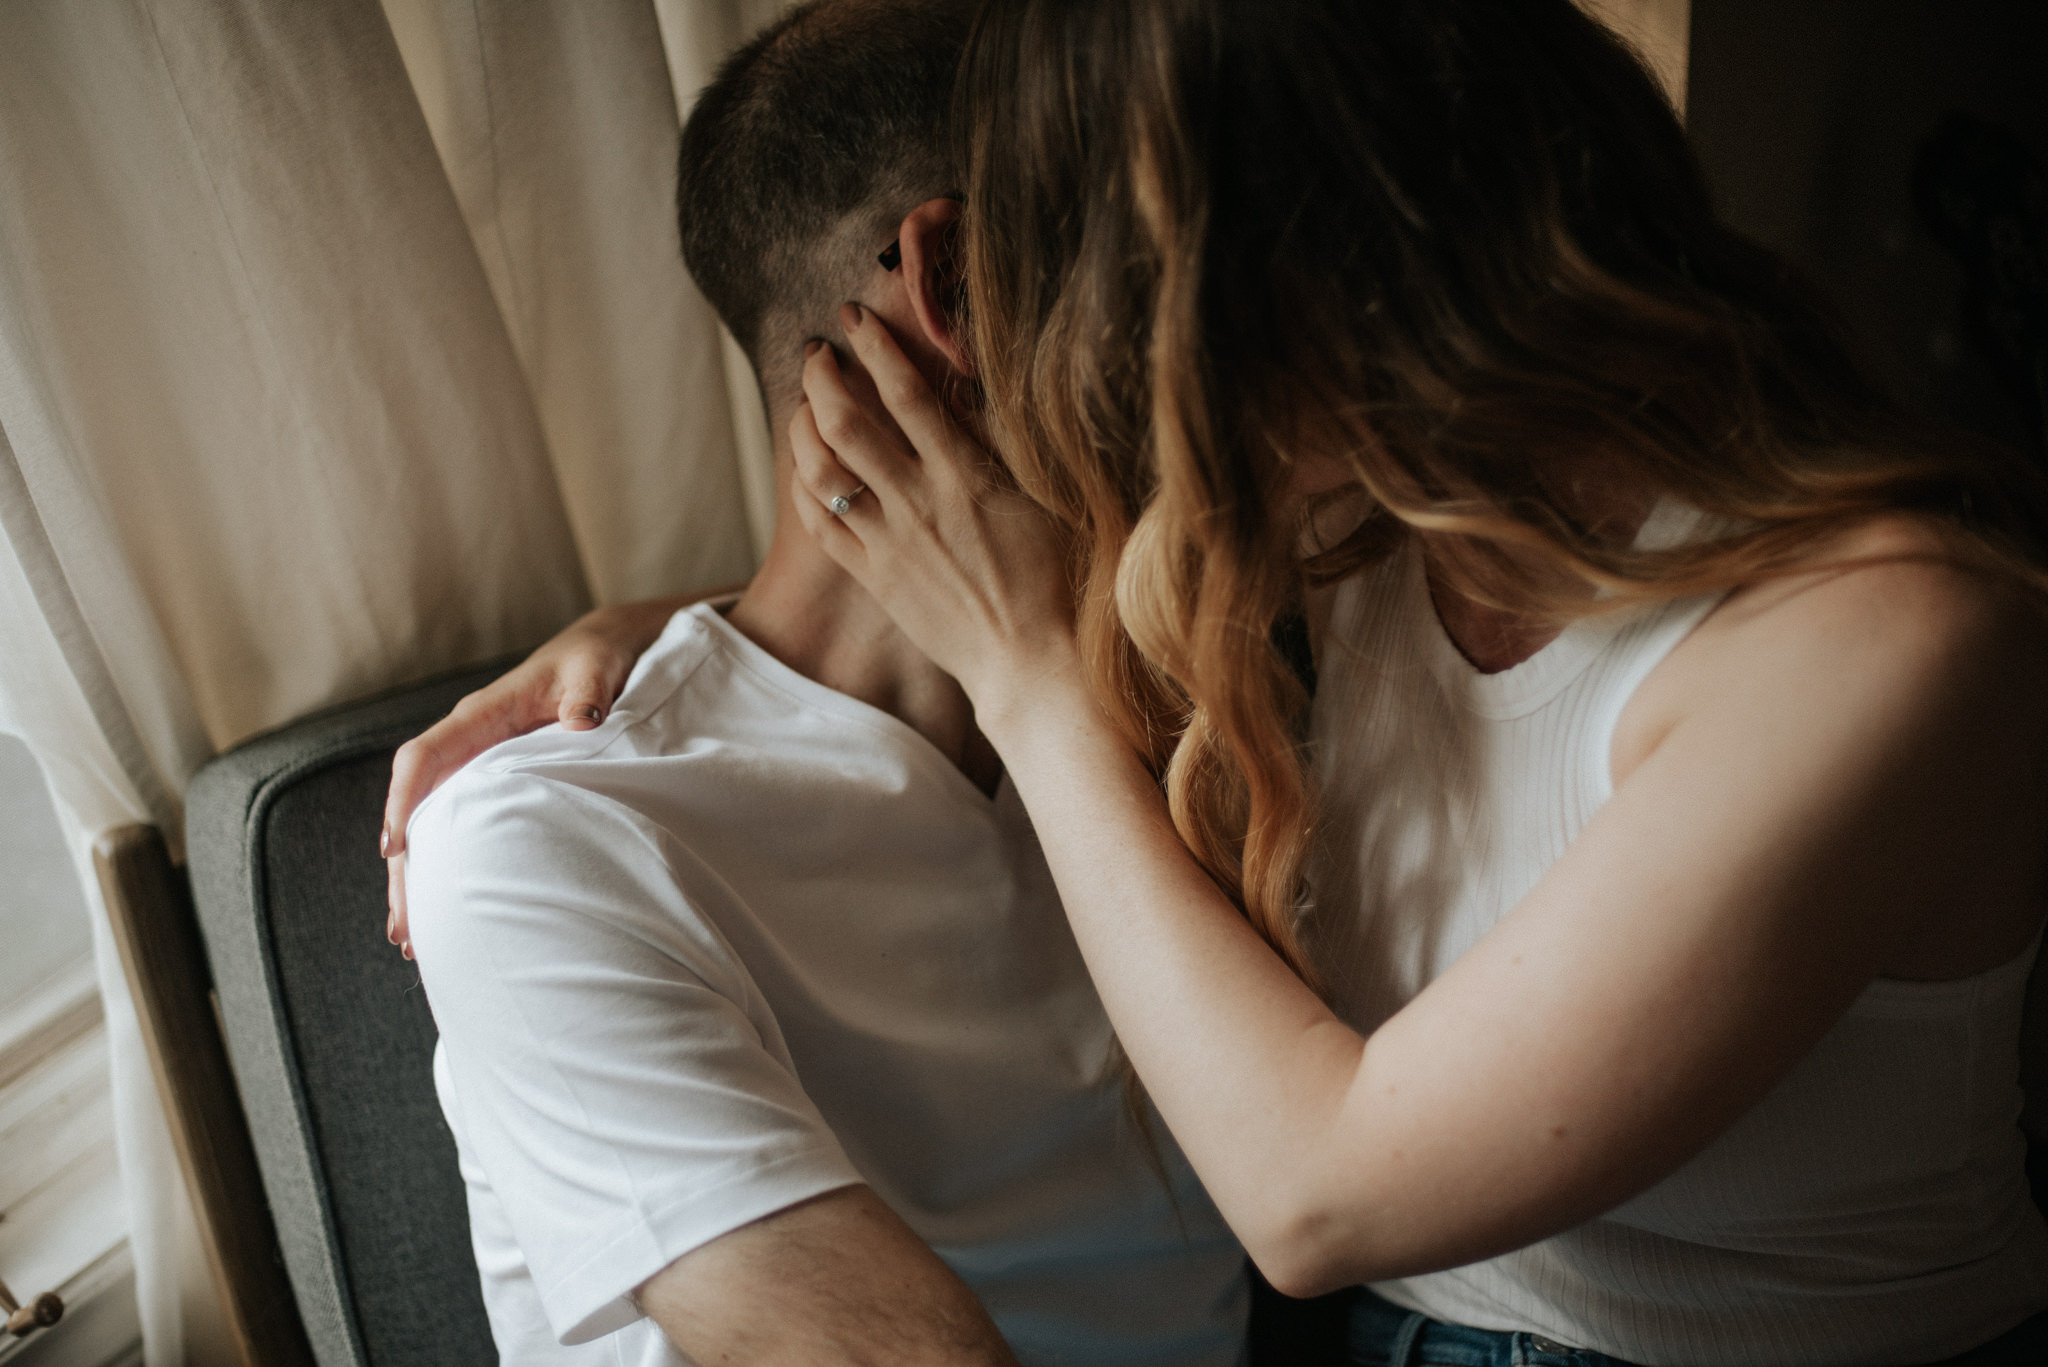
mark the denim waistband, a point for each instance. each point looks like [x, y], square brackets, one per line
[1382, 1334]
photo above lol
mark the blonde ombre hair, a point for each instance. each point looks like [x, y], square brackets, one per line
[1460, 246]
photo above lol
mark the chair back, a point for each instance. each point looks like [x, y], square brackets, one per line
[331, 1038]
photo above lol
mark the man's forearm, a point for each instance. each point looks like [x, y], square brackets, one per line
[838, 1281]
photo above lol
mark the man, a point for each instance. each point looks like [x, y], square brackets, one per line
[763, 1035]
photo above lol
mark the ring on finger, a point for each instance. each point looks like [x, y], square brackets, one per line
[840, 504]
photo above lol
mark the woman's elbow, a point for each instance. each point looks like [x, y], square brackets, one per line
[1307, 1252]
[1303, 1282]
[1324, 1240]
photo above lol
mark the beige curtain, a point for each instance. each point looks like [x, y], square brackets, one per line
[311, 385]
[557, 126]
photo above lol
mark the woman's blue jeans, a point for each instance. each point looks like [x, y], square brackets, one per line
[1381, 1334]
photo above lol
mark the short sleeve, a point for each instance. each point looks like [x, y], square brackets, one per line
[612, 1067]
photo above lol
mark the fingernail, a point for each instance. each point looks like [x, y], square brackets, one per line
[811, 348]
[590, 714]
[391, 929]
[406, 949]
[851, 316]
[384, 842]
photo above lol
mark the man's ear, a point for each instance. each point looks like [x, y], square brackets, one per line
[931, 276]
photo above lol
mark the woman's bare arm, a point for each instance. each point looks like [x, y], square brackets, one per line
[1750, 877]
[1855, 757]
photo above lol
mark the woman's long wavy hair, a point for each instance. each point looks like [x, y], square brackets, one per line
[1461, 249]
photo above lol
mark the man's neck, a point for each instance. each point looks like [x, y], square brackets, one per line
[811, 615]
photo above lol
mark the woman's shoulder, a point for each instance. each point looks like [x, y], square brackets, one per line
[1897, 593]
[1893, 684]
[1902, 594]
[1889, 616]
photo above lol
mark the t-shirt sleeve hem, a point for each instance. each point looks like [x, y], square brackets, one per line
[595, 1297]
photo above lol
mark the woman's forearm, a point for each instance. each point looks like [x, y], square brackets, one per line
[1335, 1158]
[1248, 1067]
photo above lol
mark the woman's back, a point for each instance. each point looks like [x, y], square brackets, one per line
[1872, 1208]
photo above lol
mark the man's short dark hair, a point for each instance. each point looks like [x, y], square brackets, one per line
[806, 150]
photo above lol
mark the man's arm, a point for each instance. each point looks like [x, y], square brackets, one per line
[839, 1279]
[613, 1069]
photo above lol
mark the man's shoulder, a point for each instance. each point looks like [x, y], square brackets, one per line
[667, 698]
[525, 821]
[656, 714]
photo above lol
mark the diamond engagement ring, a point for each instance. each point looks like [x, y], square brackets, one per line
[841, 503]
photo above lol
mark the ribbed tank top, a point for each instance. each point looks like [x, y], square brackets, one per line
[1872, 1209]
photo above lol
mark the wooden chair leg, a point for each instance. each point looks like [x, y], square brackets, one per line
[149, 903]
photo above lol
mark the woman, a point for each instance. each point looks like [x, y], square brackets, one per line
[1624, 951]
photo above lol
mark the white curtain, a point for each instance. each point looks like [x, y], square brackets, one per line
[557, 125]
[311, 385]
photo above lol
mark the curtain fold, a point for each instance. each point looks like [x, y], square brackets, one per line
[250, 357]
[696, 36]
[557, 126]
[56, 691]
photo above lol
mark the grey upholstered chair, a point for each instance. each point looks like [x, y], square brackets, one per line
[330, 1035]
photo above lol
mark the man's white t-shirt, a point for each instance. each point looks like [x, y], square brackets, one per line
[752, 940]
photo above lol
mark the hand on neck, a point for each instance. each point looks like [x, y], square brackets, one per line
[812, 616]
[802, 608]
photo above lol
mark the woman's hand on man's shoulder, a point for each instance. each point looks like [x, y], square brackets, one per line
[573, 679]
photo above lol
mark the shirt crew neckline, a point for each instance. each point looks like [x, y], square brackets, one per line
[1520, 689]
[751, 656]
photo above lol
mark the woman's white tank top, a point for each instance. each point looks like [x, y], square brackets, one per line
[1872, 1209]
